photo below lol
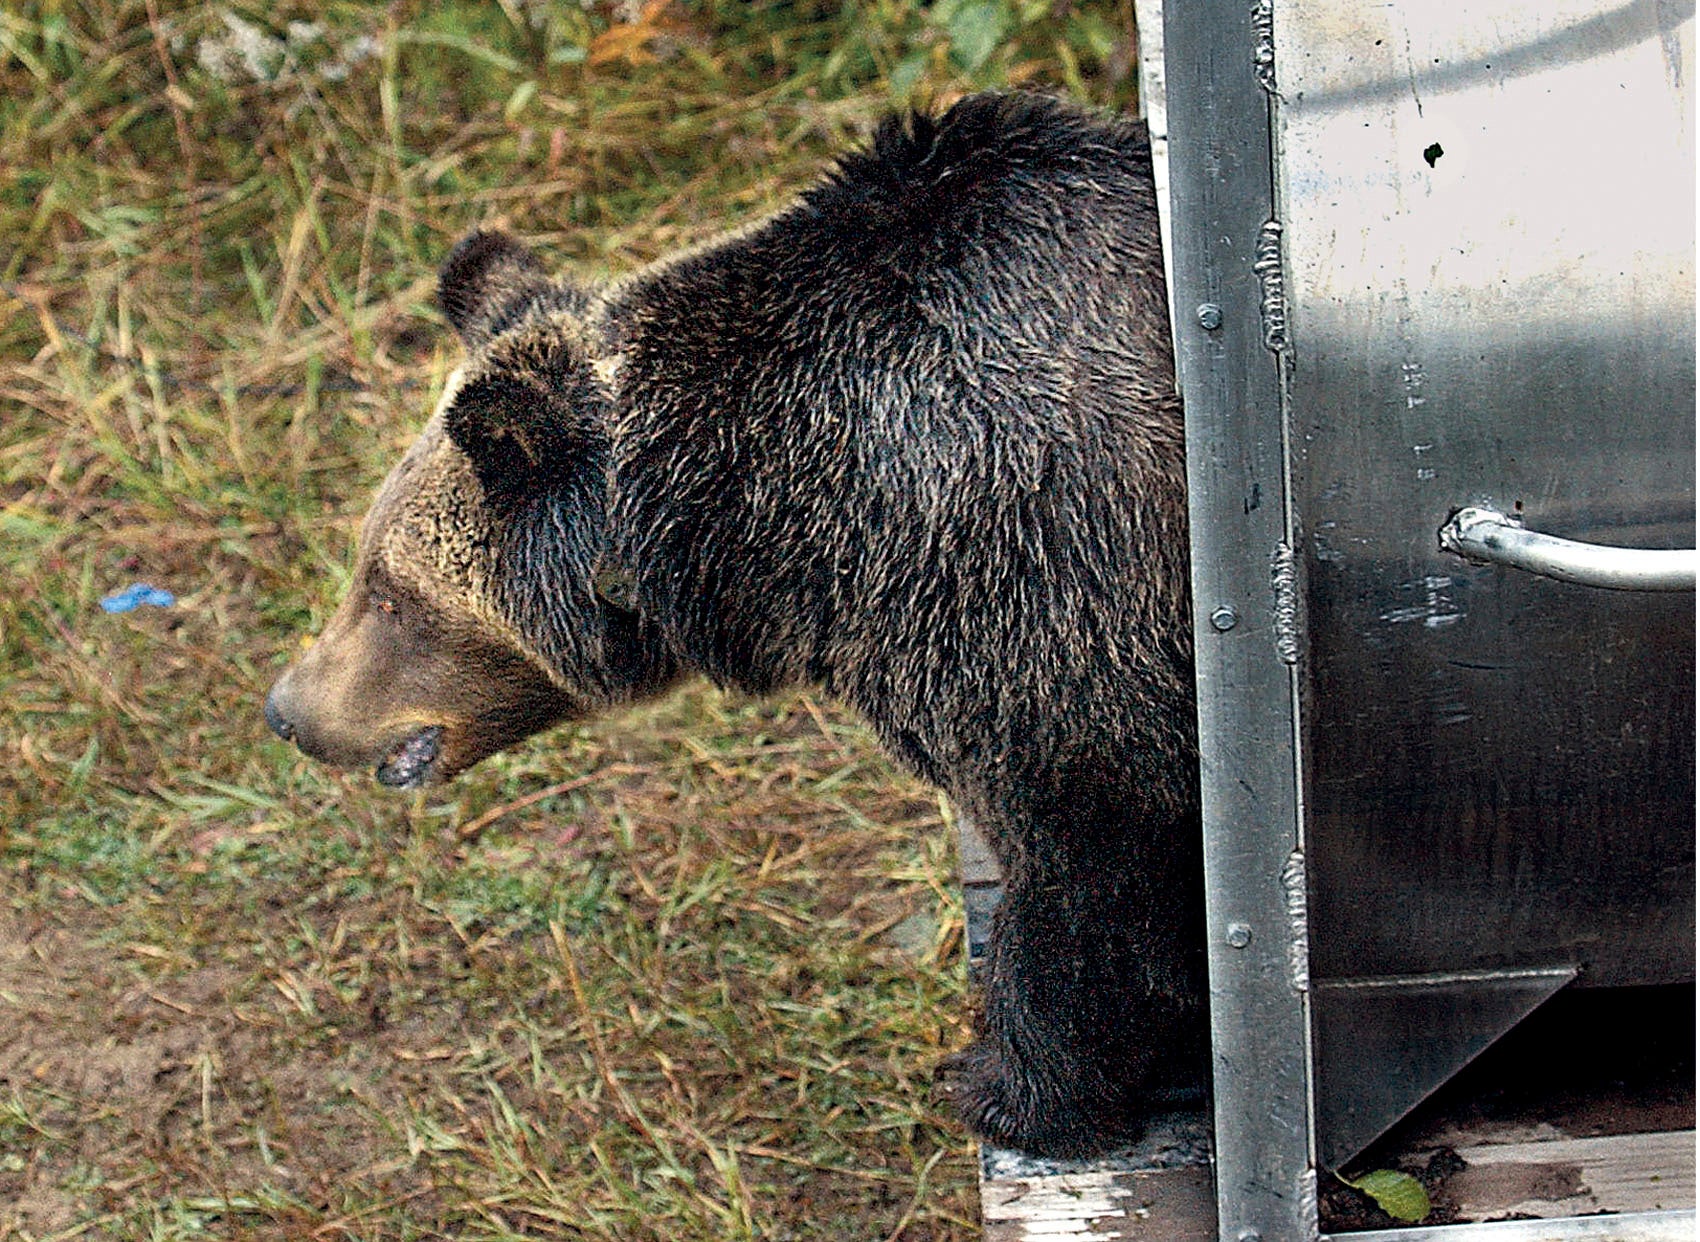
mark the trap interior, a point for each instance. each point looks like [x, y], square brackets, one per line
[1585, 1108]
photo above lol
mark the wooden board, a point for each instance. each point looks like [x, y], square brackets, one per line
[1161, 1205]
[1160, 1189]
[1575, 1176]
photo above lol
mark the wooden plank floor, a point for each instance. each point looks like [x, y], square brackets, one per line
[1127, 1199]
[1575, 1176]
[1159, 1190]
[1174, 1206]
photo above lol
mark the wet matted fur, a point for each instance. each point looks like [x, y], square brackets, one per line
[913, 439]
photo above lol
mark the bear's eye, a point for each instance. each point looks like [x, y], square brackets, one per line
[616, 586]
[383, 605]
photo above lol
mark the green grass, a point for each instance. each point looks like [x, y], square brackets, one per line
[245, 997]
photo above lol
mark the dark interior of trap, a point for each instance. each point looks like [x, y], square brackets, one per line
[1589, 1063]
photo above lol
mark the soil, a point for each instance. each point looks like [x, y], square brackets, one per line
[117, 1081]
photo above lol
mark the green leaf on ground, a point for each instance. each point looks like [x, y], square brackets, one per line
[1400, 1195]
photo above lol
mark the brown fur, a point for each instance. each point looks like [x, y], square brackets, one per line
[914, 439]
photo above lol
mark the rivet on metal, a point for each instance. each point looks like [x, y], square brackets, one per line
[1239, 935]
[1210, 316]
[1224, 618]
[1250, 1235]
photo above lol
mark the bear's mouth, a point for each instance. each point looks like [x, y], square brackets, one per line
[408, 766]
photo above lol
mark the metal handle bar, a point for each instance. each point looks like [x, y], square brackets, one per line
[1479, 534]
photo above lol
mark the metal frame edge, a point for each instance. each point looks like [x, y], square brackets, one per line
[1221, 198]
[1628, 1227]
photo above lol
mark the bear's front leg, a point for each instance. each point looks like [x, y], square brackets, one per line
[1092, 1014]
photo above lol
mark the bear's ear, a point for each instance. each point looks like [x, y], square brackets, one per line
[523, 434]
[483, 276]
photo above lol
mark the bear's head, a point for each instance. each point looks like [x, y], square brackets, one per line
[482, 607]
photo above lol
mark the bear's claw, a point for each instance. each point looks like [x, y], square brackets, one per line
[1024, 1112]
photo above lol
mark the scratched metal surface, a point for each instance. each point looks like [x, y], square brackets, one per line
[1218, 105]
[1487, 232]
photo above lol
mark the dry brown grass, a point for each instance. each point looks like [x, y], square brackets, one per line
[693, 991]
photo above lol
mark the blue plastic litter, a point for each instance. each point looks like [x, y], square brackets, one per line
[138, 595]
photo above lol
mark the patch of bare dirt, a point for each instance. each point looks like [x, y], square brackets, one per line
[115, 1080]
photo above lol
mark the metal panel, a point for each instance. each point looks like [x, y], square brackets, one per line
[1154, 107]
[1488, 308]
[1384, 1043]
[1220, 203]
[1488, 238]
[1477, 291]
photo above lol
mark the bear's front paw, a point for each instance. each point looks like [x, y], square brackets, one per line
[1056, 1113]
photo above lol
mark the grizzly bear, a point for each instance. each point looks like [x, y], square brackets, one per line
[913, 439]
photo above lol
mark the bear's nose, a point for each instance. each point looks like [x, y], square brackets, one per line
[275, 720]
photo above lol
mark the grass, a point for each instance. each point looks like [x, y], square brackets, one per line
[680, 974]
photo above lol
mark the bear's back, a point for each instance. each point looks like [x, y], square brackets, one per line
[915, 436]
